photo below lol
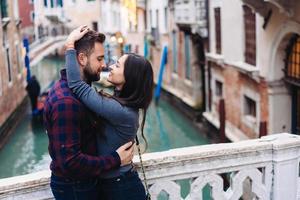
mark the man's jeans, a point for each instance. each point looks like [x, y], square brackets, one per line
[66, 189]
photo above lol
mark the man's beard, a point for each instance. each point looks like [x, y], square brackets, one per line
[89, 75]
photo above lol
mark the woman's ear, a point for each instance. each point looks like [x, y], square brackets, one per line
[82, 59]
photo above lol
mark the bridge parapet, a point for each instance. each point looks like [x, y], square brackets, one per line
[266, 168]
[44, 47]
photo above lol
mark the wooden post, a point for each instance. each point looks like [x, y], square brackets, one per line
[262, 128]
[222, 118]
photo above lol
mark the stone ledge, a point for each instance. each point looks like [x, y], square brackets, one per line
[232, 133]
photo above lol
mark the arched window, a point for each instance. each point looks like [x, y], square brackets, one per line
[292, 68]
[292, 76]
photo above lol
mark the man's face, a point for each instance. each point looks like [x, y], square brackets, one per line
[95, 63]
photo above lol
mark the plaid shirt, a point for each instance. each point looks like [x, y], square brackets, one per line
[72, 139]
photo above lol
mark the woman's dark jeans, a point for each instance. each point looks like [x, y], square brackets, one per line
[125, 187]
[66, 189]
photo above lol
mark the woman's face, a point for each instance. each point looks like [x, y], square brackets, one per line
[116, 75]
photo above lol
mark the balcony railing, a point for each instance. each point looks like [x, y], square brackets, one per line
[266, 168]
[55, 14]
[141, 4]
[193, 12]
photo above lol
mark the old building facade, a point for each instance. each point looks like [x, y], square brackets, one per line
[253, 65]
[12, 75]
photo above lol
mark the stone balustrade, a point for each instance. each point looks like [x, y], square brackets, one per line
[266, 168]
[48, 45]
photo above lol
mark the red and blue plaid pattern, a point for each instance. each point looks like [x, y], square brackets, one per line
[72, 136]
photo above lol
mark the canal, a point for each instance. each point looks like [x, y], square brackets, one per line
[26, 151]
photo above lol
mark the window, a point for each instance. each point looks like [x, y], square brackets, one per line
[292, 76]
[155, 29]
[59, 3]
[4, 8]
[150, 13]
[218, 30]
[46, 3]
[114, 18]
[174, 35]
[166, 19]
[16, 9]
[250, 107]
[52, 3]
[18, 57]
[7, 54]
[32, 16]
[187, 56]
[8, 63]
[250, 36]
[219, 88]
[157, 20]
[95, 26]
[145, 21]
[292, 70]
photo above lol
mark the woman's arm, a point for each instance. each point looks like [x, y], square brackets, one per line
[107, 108]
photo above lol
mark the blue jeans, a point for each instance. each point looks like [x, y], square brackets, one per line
[125, 187]
[66, 189]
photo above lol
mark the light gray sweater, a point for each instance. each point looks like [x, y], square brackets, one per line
[121, 122]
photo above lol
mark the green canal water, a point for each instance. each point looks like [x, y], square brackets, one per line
[26, 151]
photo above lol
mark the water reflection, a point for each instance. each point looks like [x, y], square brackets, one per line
[162, 131]
[47, 71]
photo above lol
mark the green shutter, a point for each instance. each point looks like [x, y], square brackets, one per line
[187, 56]
[4, 9]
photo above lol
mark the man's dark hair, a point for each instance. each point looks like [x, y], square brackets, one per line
[86, 44]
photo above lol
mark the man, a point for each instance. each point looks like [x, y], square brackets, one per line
[71, 129]
[33, 88]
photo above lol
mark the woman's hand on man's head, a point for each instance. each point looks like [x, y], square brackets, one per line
[75, 35]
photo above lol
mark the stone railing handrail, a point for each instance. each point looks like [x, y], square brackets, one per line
[37, 46]
[45, 48]
[266, 168]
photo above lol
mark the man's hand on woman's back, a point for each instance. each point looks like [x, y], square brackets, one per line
[126, 153]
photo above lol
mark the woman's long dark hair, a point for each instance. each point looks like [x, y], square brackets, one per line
[137, 91]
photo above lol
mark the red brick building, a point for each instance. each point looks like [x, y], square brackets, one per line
[26, 12]
[12, 77]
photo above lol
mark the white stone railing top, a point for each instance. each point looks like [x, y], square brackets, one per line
[45, 48]
[266, 168]
[40, 45]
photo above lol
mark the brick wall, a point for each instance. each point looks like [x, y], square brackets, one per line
[12, 93]
[234, 82]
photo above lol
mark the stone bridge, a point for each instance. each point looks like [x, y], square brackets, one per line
[45, 46]
[266, 168]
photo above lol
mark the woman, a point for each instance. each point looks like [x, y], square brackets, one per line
[132, 76]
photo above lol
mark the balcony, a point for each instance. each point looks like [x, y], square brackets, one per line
[55, 15]
[262, 6]
[192, 13]
[266, 168]
[141, 4]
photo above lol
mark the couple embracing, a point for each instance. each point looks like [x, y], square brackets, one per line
[91, 134]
